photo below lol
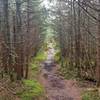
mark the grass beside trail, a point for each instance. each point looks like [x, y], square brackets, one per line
[90, 95]
[32, 88]
[35, 64]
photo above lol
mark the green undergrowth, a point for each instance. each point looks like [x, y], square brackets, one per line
[35, 63]
[41, 56]
[57, 56]
[90, 95]
[66, 70]
[63, 70]
[67, 73]
[32, 90]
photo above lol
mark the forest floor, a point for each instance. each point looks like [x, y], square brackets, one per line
[47, 84]
[56, 87]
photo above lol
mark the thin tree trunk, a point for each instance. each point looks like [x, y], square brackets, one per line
[19, 63]
[98, 53]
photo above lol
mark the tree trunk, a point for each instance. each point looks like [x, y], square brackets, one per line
[98, 53]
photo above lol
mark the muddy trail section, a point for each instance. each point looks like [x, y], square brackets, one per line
[56, 87]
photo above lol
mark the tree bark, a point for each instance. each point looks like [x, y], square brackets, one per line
[98, 53]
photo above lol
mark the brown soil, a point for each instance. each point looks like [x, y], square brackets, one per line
[57, 88]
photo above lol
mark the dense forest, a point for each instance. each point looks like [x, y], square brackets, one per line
[46, 45]
[20, 33]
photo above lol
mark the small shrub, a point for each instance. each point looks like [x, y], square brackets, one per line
[32, 90]
[90, 95]
[41, 56]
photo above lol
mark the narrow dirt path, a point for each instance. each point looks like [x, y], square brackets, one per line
[56, 87]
